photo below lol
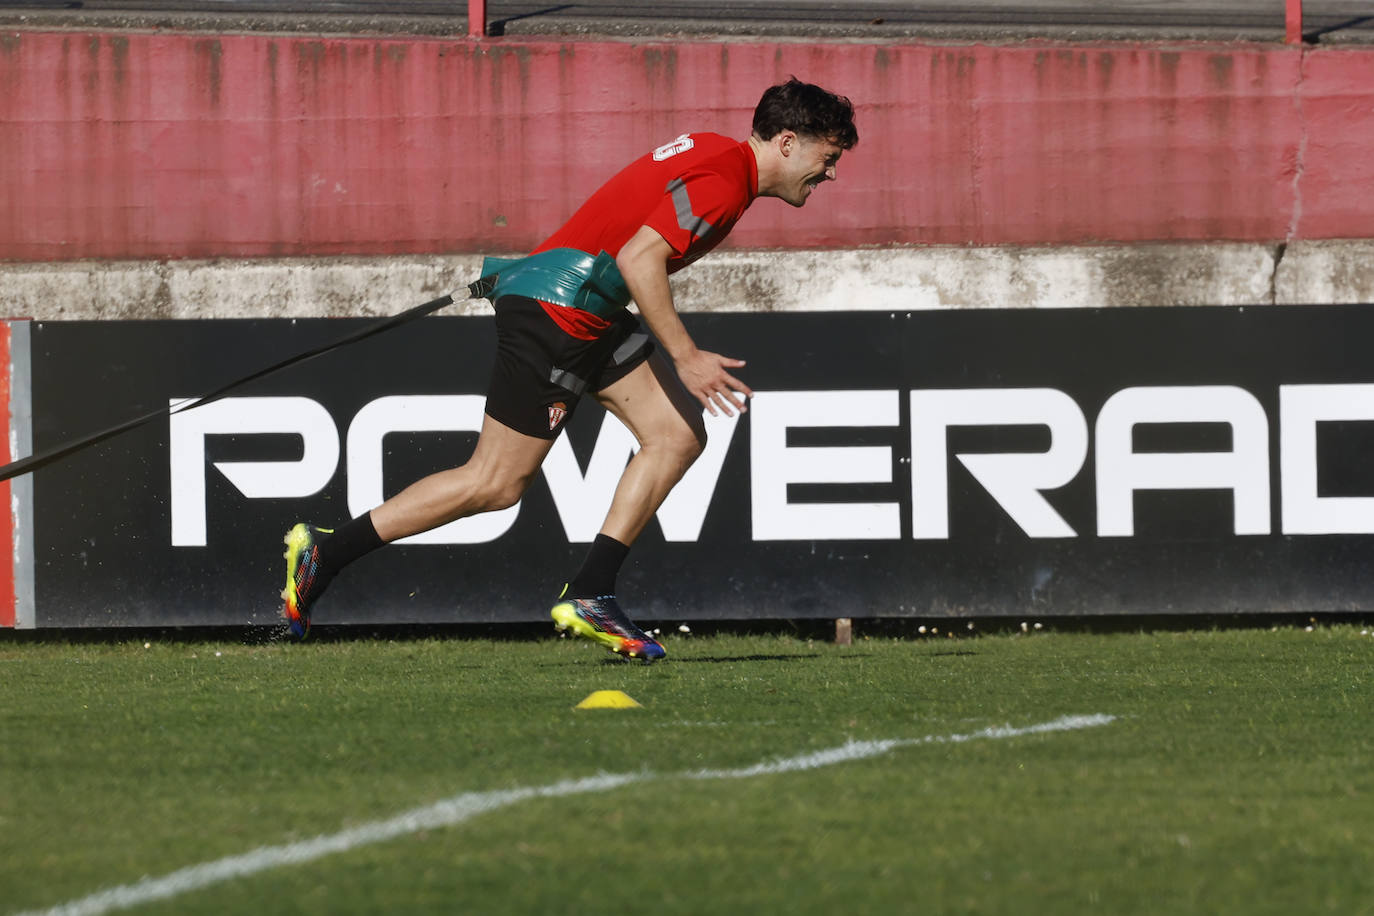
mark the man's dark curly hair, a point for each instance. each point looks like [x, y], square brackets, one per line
[808, 110]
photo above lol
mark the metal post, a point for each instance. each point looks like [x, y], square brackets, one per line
[1293, 23]
[477, 18]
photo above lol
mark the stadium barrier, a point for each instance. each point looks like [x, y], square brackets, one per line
[917, 464]
[827, 499]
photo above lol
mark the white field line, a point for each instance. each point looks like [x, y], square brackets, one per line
[462, 807]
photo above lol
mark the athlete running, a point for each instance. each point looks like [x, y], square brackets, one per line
[563, 331]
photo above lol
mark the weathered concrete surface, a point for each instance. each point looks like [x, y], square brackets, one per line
[1326, 272]
[881, 279]
[948, 277]
[287, 288]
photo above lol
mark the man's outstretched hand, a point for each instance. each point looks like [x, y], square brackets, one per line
[704, 375]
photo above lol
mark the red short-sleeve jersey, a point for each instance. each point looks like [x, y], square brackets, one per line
[691, 191]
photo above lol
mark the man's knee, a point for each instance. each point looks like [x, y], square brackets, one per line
[503, 466]
[506, 493]
[501, 490]
[698, 431]
[688, 440]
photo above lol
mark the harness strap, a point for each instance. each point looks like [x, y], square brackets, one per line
[563, 276]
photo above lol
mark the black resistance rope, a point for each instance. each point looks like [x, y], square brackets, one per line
[57, 453]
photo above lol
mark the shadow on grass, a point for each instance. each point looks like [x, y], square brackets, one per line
[675, 659]
[723, 659]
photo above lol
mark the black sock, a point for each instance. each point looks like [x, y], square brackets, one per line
[349, 542]
[596, 578]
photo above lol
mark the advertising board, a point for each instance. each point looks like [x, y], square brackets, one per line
[930, 464]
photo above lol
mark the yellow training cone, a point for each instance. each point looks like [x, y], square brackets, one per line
[608, 699]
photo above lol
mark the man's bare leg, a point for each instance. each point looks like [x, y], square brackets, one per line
[501, 468]
[498, 473]
[667, 423]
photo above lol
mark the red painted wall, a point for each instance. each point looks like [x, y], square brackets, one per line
[151, 145]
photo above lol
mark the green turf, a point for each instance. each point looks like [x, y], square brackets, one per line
[1237, 777]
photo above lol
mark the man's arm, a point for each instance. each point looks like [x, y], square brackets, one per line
[643, 262]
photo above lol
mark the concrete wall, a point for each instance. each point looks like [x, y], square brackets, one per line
[351, 172]
[884, 279]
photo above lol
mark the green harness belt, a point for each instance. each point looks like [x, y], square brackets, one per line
[563, 276]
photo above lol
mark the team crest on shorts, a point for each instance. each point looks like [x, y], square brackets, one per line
[556, 414]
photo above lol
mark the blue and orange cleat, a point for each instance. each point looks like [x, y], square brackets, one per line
[602, 620]
[305, 580]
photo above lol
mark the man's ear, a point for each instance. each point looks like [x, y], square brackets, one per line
[786, 141]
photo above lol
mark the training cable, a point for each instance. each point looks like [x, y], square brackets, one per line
[476, 290]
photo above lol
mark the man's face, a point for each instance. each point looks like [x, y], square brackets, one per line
[810, 161]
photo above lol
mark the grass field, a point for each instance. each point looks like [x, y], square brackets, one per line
[1227, 771]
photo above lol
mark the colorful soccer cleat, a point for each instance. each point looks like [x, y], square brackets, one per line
[602, 620]
[305, 579]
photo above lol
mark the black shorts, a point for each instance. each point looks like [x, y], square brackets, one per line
[542, 371]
